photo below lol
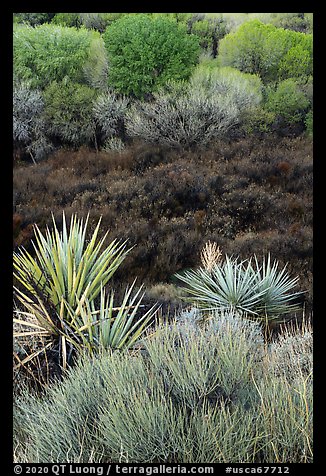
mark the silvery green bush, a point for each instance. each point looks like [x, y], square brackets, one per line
[188, 119]
[186, 396]
[292, 354]
[206, 108]
[109, 112]
[29, 127]
[96, 67]
[245, 90]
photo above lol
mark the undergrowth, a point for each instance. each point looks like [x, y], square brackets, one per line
[210, 392]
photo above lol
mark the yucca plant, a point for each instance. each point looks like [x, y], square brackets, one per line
[260, 291]
[64, 282]
[109, 327]
[87, 327]
[65, 265]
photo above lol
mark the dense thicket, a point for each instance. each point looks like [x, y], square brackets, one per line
[88, 84]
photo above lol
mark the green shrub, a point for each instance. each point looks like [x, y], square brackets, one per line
[202, 28]
[154, 50]
[68, 112]
[296, 63]
[33, 19]
[96, 67]
[141, 407]
[257, 120]
[49, 53]
[272, 53]
[67, 19]
[287, 102]
[210, 31]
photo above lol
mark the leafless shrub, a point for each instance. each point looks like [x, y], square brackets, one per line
[28, 121]
[190, 119]
[109, 112]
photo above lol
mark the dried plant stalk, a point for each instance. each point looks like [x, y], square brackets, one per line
[210, 255]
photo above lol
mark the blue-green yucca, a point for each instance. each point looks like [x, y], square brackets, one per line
[260, 290]
[68, 274]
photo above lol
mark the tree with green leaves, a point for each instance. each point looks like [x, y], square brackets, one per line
[144, 52]
[50, 53]
[68, 112]
[264, 49]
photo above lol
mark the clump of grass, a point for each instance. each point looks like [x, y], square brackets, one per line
[200, 393]
[291, 354]
[285, 414]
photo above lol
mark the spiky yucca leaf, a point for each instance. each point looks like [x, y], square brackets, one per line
[62, 282]
[89, 328]
[65, 266]
[49, 324]
[109, 327]
[262, 291]
[276, 284]
[226, 286]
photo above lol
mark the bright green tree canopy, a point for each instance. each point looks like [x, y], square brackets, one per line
[273, 53]
[144, 52]
[50, 52]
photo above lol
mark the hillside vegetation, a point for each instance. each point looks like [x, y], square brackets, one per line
[162, 237]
